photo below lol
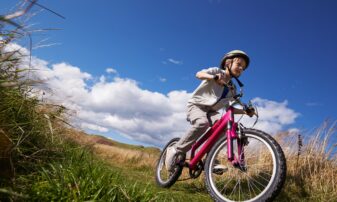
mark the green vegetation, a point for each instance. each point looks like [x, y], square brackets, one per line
[39, 161]
[104, 140]
[50, 167]
[312, 165]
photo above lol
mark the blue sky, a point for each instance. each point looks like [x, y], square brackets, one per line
[162, 44]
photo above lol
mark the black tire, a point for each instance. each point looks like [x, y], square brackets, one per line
[261, 181]
[161, 170]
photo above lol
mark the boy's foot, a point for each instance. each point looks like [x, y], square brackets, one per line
[170, 158]
[219, 169]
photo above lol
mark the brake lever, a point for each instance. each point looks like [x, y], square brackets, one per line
[237, 96]
[251, 106]
[257, 116]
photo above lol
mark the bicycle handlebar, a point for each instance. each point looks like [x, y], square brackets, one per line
[246, 107]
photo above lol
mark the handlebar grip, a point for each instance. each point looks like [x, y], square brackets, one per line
[237, 96]
[249, 109]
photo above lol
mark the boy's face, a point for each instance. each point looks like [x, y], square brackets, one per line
[238, 66]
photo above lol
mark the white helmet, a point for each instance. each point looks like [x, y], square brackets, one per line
[232, 54]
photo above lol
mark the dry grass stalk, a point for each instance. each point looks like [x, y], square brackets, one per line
[125, 156]
[114, 154]
[313, 165]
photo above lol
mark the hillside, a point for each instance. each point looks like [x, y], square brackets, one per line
[116, 153]
[43, 158]
[47, 161]
[309, 162]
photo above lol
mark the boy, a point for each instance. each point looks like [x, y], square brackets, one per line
[213, 94]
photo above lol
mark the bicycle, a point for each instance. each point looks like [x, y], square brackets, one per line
[245, 164]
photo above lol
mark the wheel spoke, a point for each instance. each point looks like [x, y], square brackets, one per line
[249, 189]
[253, 185]
[225, 186]
[255, 181]
[243, 185]
[239, 189]
[259, 164]
[261, 172]
[233, 189]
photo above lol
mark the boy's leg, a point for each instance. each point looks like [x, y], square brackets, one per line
[198, 119]
[218, 168]
[200, 122]
[213, 116]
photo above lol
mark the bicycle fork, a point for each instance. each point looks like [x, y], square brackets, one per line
[231, 133]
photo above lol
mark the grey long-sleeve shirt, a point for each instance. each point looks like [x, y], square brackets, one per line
[209, 92]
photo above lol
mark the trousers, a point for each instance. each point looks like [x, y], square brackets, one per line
[201, 118]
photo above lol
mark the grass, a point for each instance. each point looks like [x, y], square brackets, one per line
[81, 177]
[312, 165]
[49, 165]
[42, 159]
[312, 171]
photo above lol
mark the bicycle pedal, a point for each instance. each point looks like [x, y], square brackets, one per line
[219, 169]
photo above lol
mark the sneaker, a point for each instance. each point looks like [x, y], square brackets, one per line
[219, 169]
[170, 156]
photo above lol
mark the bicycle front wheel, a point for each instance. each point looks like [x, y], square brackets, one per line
[259, 178]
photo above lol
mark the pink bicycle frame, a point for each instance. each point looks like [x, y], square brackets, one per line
[226, 123]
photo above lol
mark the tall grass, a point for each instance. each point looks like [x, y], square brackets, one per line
[25, 139]
[79, 176]
[44, 164]
[40, 161]
[312, 165]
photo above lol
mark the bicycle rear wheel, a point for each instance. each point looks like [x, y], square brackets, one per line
[164, 178]
[260, 178]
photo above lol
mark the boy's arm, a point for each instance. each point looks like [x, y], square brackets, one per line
[218, 77]
[241, 111]
[204, 75]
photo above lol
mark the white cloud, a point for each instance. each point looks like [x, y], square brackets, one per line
[94, 127]
[294, 131]
[102, 79]
[275, 111]
[15, 47]
[273, 116]
[176, 62]
[162, 79]
[119, 105]
[111, 71]
[122, 106]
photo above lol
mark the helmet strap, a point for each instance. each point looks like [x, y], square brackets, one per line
[232, 76]
[230, 69]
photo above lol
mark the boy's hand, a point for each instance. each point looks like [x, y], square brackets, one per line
[250, 111]
[220, 79]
